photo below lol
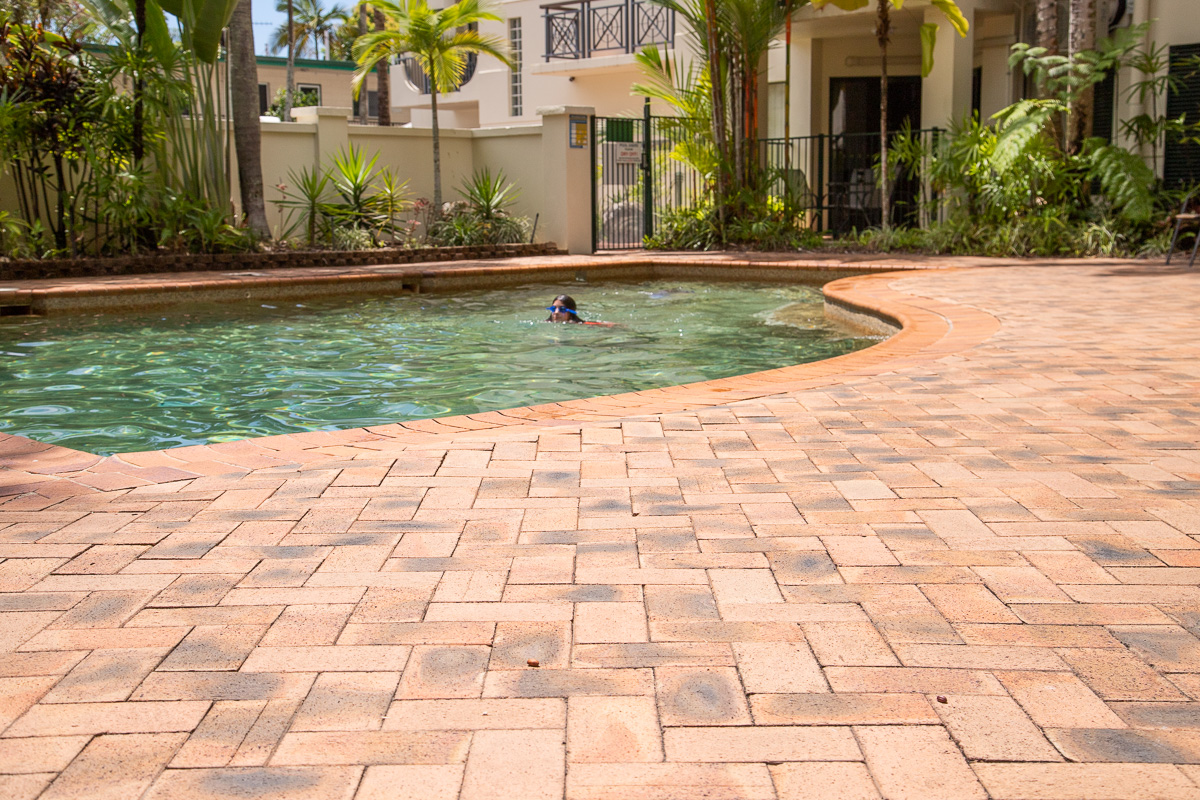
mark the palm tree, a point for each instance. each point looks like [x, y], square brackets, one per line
[247, 132]
[290, 89]
[383, 79]
[1047, 25]
[1046, 16]
[313, 25]
[340, 42]
[732, 38]
[363, 99]
[1082, 37]
[439, 41]
[883, 30]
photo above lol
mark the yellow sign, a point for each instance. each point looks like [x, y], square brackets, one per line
[577, 130]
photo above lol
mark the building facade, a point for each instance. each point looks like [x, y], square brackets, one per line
[581, 53]
[330, 81]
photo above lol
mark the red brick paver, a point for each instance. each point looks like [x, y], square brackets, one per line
[960, 564]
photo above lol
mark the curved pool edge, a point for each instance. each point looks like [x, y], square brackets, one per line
[926, 328]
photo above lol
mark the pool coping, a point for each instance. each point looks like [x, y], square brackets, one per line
[926, 329]
[67, 295]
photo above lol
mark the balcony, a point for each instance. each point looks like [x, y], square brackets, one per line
[590, 28]
[416, 77]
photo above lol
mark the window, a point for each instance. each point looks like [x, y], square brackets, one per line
[315, 88]
[976, 91]
[1181, 163]
[516, 104]
[264, 98]
[372, 104]
[1103, 106]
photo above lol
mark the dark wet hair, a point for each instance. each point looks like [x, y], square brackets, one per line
[566, 301]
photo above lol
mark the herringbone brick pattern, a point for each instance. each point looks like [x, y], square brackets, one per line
[961, 565]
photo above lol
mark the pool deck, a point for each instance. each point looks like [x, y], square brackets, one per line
[963, 563]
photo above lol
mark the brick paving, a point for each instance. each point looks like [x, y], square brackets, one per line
[961, 564]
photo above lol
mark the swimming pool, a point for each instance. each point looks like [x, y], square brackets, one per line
[155, 379]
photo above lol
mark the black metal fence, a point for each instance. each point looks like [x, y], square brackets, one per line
[585, 28]
[419, 79]
[635, 179]
[836, 178]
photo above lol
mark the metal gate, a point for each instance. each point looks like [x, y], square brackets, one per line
[836, 179]
[635, 180]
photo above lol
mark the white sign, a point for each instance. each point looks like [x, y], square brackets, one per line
[627, 153]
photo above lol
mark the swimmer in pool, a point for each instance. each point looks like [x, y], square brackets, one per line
[563, 309]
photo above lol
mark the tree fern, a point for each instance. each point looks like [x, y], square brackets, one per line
[1019, 125]
[1124, 179]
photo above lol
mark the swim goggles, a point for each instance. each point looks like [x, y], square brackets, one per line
[562, 310]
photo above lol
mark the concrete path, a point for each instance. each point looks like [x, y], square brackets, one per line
[960, 565]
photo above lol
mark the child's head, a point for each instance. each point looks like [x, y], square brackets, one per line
[562, 309]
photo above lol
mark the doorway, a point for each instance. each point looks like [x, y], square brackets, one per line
[854, 107]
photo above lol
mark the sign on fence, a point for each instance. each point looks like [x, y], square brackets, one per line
[627, 153]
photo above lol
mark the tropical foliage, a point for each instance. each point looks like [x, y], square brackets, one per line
[314, 26]
[484, 215]
[717, 100]
[717, 109]
[352, 194]
[1014, 186]
[123, 153]
[354, 204]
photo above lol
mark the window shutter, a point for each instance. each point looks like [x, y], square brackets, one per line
[1181, 164]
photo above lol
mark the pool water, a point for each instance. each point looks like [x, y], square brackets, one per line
[108, 383]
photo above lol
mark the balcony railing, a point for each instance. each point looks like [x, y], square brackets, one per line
[419, 80]
[587, 28]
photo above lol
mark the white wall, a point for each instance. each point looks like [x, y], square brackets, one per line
[517, 151]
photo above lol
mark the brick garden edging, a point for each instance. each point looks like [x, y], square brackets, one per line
[201, 262]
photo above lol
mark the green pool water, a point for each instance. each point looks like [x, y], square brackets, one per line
[109, 383]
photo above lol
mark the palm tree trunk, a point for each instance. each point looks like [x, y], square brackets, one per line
[139, 85]
[883, 25]
[362, 95]
[247, 131]
[437, 144]
[383, 80]
[1083, 37]
[1047, 37]
[717, 81]
[289, 92]
[1047, 25]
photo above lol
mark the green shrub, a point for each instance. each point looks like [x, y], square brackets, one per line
[349, 195]
[483, 217]
[347, 238]
[1049, 234]
[300, 99]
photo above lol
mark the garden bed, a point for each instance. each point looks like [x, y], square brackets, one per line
[200, 262]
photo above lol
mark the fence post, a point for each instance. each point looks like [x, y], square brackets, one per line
[934, 212]
[822, 224]
[647, 171]
[567, 167]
